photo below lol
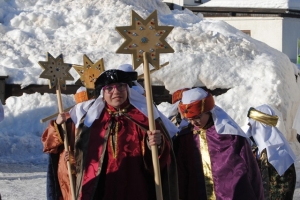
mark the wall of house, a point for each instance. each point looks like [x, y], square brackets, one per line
[179, 3]
[175, 2]
[265, 29]
[277, 32]
[291, 32]
[192, 2]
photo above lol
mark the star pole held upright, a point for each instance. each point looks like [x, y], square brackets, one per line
[88, 73]
[145, 40]
[58, 72]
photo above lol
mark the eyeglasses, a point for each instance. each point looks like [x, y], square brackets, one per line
[121, 87]
[195, 119]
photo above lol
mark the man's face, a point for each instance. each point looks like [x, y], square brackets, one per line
[199, 121]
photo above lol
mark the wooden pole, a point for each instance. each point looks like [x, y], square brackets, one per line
[54, 115]
[153, 70]
[66, 143]
[154, 151]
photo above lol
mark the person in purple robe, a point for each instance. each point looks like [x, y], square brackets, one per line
[214, 157]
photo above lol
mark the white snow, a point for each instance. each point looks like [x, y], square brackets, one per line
[208, 53]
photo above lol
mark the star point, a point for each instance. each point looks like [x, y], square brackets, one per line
[144, 36]
[56, 71]
[90, 71]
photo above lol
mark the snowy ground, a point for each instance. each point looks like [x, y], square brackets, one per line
[28, 182]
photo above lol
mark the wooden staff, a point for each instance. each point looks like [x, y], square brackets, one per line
[154, 151]
[54, 115]
[66, 143]
[58, 72]
[146, 37]
[153, 70]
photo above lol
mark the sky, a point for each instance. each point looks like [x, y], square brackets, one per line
[207, 53]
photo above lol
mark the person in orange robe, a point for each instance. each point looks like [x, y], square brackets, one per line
[58, 182]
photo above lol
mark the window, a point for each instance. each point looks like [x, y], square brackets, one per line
[247, 32]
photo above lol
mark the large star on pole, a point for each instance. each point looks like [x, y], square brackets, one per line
[89, 72]
[56, 71]
[144, 36]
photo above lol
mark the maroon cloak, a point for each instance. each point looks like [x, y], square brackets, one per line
[118, 162]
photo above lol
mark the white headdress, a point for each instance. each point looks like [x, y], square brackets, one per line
[136, 86]
[224, 124]
[296, 123]
[268, 137]
[137, 100]
[80, 109]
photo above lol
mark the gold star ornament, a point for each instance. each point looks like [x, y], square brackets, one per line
[89, 72]
[144, 36]
[56, 71]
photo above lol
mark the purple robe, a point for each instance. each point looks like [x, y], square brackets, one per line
[235, 173]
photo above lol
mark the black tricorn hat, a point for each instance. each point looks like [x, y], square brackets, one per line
[113, 76]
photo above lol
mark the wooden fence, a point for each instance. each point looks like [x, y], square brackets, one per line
[160, 94]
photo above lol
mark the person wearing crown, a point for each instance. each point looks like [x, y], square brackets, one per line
[274, 154]
[214, 161]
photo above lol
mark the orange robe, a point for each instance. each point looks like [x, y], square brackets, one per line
[52, 140]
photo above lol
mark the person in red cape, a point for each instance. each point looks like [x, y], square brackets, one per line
[112, 145]
[214, 160]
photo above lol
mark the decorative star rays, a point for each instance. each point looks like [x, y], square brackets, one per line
[144, 36]
[89, 72]
[56, 71]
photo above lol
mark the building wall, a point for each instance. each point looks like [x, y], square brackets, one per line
[175, 2]
[184, 2]
[265, 29]
[191, 2]
[277, 32]
[291, 32]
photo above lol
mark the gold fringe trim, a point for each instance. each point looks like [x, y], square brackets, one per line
[114, 145]
[207, 170]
